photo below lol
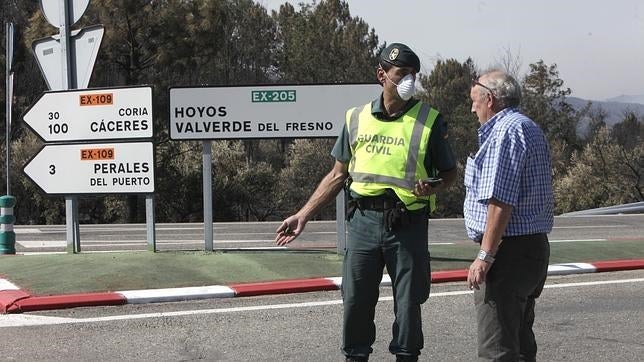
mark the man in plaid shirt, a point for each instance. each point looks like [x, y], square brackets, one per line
[509, 211]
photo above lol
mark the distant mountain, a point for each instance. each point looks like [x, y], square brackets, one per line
[614, 109]
[628, 99]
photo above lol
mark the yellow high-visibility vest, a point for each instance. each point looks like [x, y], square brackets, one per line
[390, 154]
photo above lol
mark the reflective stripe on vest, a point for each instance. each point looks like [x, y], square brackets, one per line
[379, 145]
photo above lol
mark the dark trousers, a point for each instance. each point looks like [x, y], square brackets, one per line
[405, 254]
[505, 302]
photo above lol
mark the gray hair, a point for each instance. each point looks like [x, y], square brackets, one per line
[503, 86]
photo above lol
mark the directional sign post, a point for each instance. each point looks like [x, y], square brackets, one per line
[110, 114]
[109, 168]
[92, 114]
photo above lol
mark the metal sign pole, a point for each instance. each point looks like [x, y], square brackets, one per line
[207, 196]
[149, 221]
[8, 128]
[340, 223]
[9, 96]
[68, 82]
[7, 202]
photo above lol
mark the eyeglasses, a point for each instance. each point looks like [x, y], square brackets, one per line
[476, 82]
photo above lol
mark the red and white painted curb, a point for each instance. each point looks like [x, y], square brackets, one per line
[15, 300]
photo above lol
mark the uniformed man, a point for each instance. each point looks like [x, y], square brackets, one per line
[396, 152]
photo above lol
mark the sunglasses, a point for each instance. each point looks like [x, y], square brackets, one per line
[476, 82]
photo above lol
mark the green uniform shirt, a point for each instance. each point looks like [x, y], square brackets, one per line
[439, 154]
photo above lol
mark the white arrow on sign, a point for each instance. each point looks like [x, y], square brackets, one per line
[85, 43]
[92, 114]
[108, 168]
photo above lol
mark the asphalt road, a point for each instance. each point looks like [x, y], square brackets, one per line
[584, 317]
[322, 234]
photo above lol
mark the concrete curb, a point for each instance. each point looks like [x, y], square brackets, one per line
[14, 300]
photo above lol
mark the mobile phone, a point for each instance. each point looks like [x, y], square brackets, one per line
[432, 181]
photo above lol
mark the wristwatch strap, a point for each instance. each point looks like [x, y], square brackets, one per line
[483, 255]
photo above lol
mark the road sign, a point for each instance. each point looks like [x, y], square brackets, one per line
[92, 114]
[51, 10]
[109, 168]
[293, 111]
[85, 44]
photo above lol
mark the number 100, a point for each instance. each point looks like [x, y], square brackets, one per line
[57, 128]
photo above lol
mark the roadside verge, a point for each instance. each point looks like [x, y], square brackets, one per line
[15, 300]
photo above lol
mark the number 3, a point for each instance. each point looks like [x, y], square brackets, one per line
[52, 169]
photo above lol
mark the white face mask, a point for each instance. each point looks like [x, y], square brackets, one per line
[406, 87]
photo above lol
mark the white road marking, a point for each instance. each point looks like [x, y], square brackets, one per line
[142, 230]
[175, 294]
[590, 226]
[42, 243]
[22, 320]
[27, 253]
[26, 231]
[575, 240]
[571, 268]
[31, 244]
[599, 282]
[7, 285]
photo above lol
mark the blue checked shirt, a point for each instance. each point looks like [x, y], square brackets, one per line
[512, 166]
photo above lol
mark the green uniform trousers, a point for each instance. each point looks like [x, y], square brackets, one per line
[505, 303]
[404, 251]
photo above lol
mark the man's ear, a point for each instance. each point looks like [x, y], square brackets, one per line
[380, 75]
[490, 100]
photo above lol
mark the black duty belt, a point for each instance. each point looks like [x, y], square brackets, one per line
[377, 203]
[395, 212]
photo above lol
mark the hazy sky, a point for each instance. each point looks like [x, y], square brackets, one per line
[598, 45]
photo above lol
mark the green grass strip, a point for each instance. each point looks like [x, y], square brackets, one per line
[93, 272]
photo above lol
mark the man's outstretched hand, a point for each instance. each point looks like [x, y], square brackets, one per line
[290, 229]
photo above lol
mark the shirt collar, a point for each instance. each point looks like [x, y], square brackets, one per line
[378, 109]
[485, 130]
[376, 105]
